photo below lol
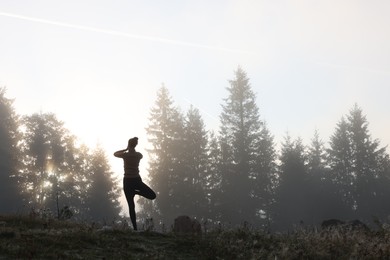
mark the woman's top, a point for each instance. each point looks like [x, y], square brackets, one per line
[131, 162]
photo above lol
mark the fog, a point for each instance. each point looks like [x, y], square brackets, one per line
[98, 67]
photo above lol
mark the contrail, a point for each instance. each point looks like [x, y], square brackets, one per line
[122, 34]
[203, 111]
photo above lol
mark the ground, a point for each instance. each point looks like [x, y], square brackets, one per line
[22, 237]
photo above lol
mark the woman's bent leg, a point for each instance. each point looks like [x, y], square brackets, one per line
[145, 191]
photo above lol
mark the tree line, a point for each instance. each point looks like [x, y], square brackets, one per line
[43, 168]
[233, 175]
[236, 175]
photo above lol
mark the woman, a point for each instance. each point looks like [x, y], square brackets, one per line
[132, 182]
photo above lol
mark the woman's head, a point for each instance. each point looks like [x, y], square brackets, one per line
[132, 142]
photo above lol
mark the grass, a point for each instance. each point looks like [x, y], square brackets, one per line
[25, 238]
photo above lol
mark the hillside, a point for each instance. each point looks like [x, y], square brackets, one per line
[26, 238]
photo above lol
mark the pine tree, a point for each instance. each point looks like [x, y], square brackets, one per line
[381, 205]
[165, 133]
[43, 157]
[323, 199]
[76, 188]
[214, 178]
[50, 167]
[292, 190]
[195, 162]
[358, 164]
[103, 193]
[290, 206]
[241, 148]
[10, 195]
[264, 174]
[316, 156]
[365, 164]
[340, 162]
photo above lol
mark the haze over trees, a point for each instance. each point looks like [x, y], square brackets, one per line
[245, 179]
[43, 167]
[233, 175]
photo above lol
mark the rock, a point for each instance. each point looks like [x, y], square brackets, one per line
[331, 223]
[357, 225]
[186, 225]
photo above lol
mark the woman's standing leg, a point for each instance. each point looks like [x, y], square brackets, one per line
[129, 193]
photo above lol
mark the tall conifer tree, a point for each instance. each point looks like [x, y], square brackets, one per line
[290, 207]
[10, 195]
[357, 163]
[51, 163]
[165, 133]
[264, 174]
[340, 161]
[316, 156]
[195, 162]
[43, 159]
[214, 178]
[103, 193]
[323, 199]
[194, 202]
[365, 163]
[241, 145]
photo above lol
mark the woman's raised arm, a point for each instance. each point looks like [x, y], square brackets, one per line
[120, 153]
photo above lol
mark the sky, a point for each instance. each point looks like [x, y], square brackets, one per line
[97, 64]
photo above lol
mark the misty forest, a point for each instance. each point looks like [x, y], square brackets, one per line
[234, 175]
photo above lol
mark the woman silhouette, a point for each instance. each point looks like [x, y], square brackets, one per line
[132, 182]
